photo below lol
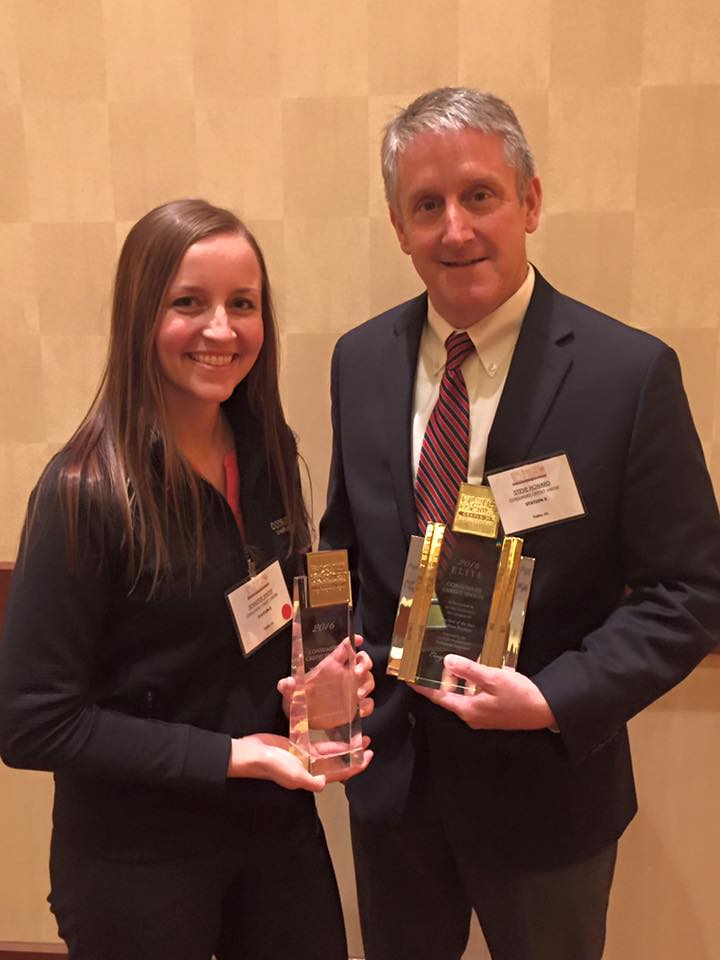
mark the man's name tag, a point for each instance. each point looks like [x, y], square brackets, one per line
[536, 494]
[260, 607]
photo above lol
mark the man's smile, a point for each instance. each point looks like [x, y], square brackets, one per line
[462, 263]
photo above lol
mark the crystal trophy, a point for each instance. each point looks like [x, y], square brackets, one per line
[324, 718]
[464, 592]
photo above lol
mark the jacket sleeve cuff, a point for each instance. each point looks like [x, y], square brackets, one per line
[206, 758]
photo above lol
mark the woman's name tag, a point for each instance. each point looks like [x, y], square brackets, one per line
[260, 607]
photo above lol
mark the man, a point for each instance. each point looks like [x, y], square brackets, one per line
[509, 802]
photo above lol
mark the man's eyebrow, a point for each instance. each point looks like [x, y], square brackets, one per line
[427, 191]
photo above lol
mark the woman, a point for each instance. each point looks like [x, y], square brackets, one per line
[182, 826]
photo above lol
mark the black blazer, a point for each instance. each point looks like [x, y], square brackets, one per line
[625, 601]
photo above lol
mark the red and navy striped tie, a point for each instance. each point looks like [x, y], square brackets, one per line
[443, 462]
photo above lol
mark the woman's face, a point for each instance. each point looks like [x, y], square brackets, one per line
[211, 328]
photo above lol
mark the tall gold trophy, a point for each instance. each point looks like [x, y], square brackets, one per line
[324, 718]
[464, 592]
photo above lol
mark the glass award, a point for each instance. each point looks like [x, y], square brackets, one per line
[324, 718]
[465, 592]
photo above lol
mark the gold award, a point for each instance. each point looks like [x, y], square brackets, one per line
[476, 512]
[328, 577]
[468, 597]
[422, 602]
[494, 649]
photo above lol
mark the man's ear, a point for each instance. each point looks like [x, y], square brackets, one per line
[533, 205]
[397, 222]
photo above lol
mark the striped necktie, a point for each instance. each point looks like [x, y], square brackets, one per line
[443, 464]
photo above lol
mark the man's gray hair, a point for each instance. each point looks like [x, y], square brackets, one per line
[455, 108]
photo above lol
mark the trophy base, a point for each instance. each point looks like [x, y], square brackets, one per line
[447, 682]
[326, 762]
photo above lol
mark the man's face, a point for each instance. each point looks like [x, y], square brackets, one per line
[457, 213]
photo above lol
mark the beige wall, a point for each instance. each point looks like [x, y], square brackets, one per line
[273, 107]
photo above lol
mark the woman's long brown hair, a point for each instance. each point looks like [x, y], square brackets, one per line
[122, 456]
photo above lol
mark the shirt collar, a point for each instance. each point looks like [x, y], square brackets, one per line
[494, 336]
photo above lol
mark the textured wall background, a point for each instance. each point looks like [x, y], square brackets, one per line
[273, 107]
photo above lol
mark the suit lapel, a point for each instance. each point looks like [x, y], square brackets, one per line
[399, 368]
[543, 355]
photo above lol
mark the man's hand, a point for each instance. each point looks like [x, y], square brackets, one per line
[341, 774]
[503, 699]
[361, 678]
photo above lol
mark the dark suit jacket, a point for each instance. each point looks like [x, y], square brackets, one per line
[625, 600]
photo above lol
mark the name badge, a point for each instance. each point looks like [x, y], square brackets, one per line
[260, 607]
[536, 494]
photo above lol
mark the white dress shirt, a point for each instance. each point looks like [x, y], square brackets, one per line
[484, 371]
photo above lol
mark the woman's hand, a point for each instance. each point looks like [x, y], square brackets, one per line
[266, 756]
